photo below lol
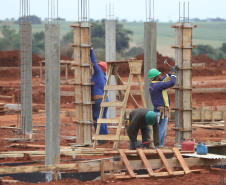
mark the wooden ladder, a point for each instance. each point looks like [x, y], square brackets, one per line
[135, 69]
[170, 172]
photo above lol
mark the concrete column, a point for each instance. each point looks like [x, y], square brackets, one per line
[150, 57]
[110, 45]
[26, 76]
[52, 93]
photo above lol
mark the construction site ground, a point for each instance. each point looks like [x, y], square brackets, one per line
[211, 76]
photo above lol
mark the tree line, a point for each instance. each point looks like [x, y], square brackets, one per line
[11, 41]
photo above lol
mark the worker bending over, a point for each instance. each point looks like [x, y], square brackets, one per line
[141, 119]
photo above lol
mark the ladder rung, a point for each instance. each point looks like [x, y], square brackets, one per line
[115, 87]
[111, 104]
[112, 137]
[127, 163]
[108, 120]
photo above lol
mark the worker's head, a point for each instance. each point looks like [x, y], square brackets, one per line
[150, 117]
[153, 73]
[103, 66]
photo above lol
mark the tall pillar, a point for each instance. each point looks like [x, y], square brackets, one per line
[82, 64]
[183, 88]
[110, 45]
[26, 76]
[150, 57]
[52, 93]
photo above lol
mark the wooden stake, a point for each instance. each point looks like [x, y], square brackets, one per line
[102, 169]
[56, 172]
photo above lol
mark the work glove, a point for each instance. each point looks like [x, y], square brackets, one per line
[174, 69]
[137, 144]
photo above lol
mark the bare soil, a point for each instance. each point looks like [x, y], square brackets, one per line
[213, 76]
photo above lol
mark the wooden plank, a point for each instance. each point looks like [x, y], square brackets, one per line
[2, 96]
[127, 164]
[102, 169]
[141, 91]
[115, 87]
[107, 120]
[181, 160]
[113, 137]
[30, 169]
[146, 163]
[194, 91]
[67, 93]
[56, 172]
[163, 158]
[94, 165]
[220, 127]
[146, 152]
[225, 126]
[33, 145]
[111, 104]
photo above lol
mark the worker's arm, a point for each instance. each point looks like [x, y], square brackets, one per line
[93, 60]
[165, 85]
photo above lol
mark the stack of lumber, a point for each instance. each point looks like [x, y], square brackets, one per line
[2, 111]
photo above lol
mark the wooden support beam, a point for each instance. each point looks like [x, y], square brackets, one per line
[31, 169]
[146, 163]
[165, 162]
[127, 164]
[146, 152]
[102, 169]
[181, 160]
[94, 165]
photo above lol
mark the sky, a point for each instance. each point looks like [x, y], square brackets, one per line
[131, 10]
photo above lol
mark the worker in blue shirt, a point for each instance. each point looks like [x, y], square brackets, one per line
[97, 92]
[160, 98]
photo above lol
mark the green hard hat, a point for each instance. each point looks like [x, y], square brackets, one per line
[150, 117]
[153, 73]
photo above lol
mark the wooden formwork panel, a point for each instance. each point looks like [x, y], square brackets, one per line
[82, 66]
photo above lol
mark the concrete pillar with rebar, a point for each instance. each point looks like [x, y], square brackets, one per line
[183, 88]
[150, 57]
[52, 93]
[110, 45]
[26, 76]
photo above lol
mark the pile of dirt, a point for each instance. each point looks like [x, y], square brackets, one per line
[11, 58]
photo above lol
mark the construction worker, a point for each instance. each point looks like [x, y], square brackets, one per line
[160, 98]
[97, 92]
[141, 119]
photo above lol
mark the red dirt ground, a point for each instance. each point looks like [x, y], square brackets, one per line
[212, 76]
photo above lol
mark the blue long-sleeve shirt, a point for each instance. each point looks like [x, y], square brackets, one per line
[98, 77]
[158, 93]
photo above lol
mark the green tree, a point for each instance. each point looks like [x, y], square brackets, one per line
[33, 18]
[215, 54]
[223, 48]
[98, 36]
[134, 51]
[122, 38]
[38, 42]
[10, 39]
